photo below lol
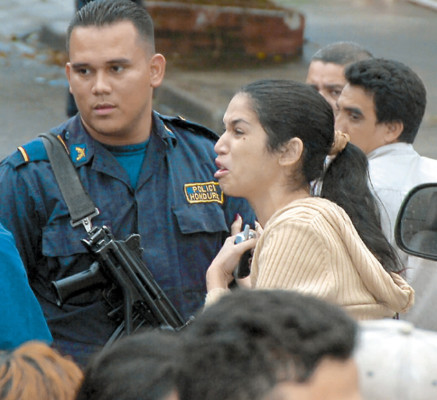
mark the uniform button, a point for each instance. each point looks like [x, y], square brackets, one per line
[67, 135]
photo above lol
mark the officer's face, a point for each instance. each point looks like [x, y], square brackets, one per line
[246, 168]
[112, 74]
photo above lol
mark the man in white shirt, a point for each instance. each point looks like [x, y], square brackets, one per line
[381, 107]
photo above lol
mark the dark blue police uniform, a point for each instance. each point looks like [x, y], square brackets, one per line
[177, 207]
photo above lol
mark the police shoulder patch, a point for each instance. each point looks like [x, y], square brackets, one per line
[32, 151]
[203, 192]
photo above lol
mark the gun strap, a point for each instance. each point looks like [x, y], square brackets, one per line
[80, 206]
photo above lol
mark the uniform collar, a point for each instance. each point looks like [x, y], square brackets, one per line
[160, 128]
[82, 147]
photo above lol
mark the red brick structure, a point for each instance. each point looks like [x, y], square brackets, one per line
[185, 29]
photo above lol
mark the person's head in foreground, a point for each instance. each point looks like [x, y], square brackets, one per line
[396, 361]
[269, 345]
[137, 367]
[326, 69]
[383, 103]
[35, 371]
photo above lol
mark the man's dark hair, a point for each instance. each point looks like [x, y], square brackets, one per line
[341, 53]
[106, 12]
[140, 366]
[242, 346]
[399, 95]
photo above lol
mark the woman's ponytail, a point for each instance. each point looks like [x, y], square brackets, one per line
[346, 183]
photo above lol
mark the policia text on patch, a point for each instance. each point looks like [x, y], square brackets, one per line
[206, 192]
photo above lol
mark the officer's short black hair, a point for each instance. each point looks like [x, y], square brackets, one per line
[399, 95]
[242, 346]
[341, 53]
[106, 12]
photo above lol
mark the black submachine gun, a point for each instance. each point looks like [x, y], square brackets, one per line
[118, 266]
[118, 263]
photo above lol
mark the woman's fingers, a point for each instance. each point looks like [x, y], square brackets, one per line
[237, 225]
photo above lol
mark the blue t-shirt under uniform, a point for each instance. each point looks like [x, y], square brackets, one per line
[130, 158]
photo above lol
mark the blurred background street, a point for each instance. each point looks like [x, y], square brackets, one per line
[33, 86]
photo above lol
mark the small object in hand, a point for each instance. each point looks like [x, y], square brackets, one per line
[243, 268]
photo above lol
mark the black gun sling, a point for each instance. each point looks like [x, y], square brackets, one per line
[79, 203]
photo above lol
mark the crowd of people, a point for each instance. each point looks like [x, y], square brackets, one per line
[330, 162]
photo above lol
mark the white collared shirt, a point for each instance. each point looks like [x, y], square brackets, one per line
[394, 170]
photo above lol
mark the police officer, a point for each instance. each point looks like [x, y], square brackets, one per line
[146, 173]
[71, 105]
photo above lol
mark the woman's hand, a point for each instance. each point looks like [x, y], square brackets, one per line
[219, 273]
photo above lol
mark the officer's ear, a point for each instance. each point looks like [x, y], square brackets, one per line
[67, 72]
[157, 69]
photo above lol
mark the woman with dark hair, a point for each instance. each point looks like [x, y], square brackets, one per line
[308, 187]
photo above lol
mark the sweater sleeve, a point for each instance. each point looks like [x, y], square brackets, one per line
[293, 256]
[214, 295]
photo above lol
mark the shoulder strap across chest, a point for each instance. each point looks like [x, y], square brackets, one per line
[79, 203]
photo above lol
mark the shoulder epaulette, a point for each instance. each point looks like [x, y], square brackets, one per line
[29, 152]
[190, 126]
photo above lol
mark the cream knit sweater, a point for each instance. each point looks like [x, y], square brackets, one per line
[311, 246]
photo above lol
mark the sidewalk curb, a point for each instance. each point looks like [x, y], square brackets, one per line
[175, 101]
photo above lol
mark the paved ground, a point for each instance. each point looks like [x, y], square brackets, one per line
[33, 85]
